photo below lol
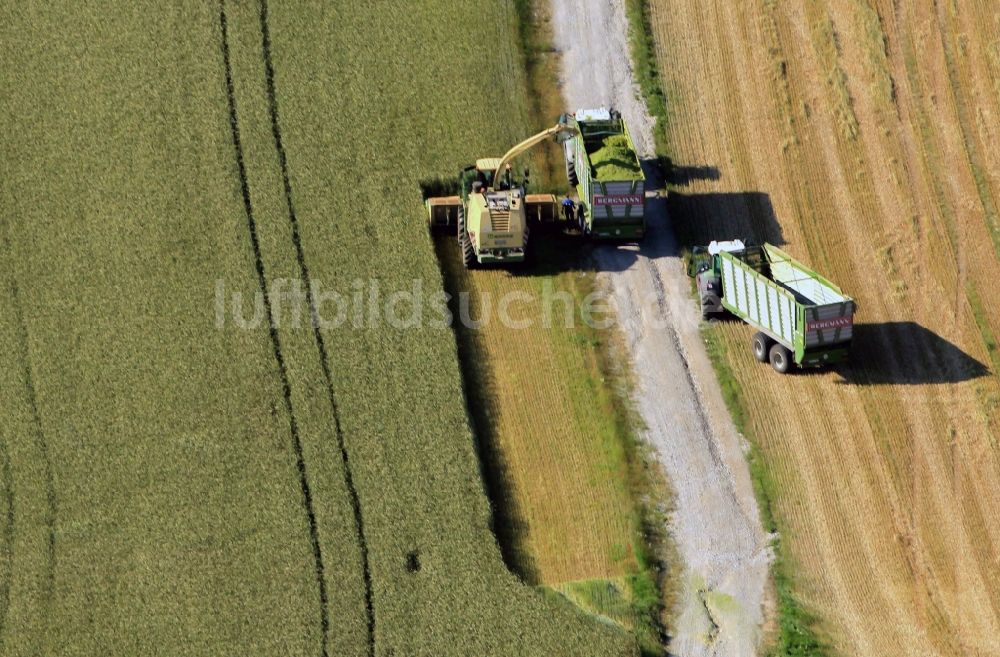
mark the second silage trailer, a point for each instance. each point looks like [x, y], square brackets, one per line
[800, 316]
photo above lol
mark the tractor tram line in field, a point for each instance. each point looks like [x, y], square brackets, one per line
[7, 540]
[307, 499]
[272, 103]
[41, 445]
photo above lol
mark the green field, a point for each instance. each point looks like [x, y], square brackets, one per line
[172, 487]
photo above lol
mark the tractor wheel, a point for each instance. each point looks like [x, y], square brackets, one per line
[781, 358]
[760, 344]
[708, 313]
[464, 244]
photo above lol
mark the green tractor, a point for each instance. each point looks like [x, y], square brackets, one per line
[490, 214]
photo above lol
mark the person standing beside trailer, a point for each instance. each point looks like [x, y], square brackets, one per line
[569, 209]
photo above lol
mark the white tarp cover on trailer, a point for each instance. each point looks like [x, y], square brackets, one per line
[597, 114]
[795, 276]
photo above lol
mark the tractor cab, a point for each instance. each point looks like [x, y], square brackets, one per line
[486, 171]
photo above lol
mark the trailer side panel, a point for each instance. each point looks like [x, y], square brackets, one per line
[757, 300]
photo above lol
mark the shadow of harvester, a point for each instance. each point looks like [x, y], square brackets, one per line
[906, 353]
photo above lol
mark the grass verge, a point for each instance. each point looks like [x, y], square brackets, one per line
[796, 636]
[647, 72]
[652, 591]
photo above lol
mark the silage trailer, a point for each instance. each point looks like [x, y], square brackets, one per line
[800, 316]
[601, 163]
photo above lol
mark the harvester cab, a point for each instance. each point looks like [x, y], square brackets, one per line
[491, 212]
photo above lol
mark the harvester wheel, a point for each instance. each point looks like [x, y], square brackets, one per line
[781, 358]
[761, 344]
[468, 252]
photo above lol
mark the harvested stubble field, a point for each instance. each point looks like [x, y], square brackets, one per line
[862, 135]
[572, 490]
[172, 486]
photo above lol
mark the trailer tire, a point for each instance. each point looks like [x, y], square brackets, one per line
[581, 220]
[761, 345]
[571, 173]
[781, 358]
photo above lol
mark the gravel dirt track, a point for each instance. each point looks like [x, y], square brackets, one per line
[715, 523]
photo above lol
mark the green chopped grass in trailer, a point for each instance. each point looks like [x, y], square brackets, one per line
[615, 159]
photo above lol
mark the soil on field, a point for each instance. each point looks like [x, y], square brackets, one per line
[715, 523]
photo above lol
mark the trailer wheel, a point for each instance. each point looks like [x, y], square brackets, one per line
[571, 173]
[581, 220]
[761, 344]
[781, 358]
[464, 244]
